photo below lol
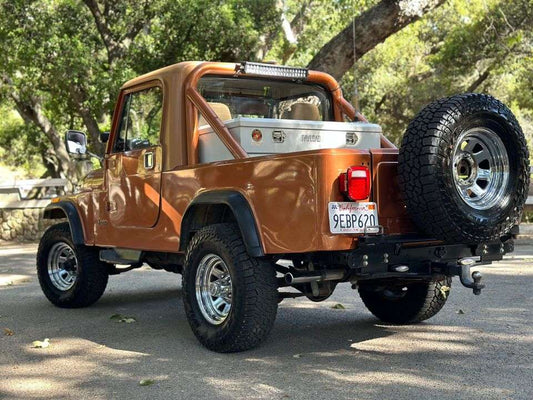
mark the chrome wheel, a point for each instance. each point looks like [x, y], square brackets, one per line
[62, 266]
[480, 168]
[213, 289]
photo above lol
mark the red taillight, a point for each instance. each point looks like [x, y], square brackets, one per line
[355, 183]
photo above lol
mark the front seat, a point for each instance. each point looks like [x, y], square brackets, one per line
[220, 109]
[303, 111]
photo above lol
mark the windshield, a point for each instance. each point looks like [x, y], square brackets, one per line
[261, 98]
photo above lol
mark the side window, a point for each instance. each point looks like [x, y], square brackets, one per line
[141, 120]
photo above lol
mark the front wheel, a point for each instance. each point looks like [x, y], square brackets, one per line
[71, 276]
[230, 298]
[405, 303]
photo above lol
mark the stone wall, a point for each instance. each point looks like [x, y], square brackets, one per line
[23, 224]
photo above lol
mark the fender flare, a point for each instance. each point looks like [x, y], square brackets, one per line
[241, 210]
[67, 209]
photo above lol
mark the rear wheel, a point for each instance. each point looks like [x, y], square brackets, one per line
[230, 298]
[70, 275]
[406, 303]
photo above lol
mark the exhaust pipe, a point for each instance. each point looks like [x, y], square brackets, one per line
[327, 275]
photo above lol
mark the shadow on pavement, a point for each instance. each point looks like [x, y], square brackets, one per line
[314, 351]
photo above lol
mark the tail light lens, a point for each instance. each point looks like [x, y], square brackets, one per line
[355, 183]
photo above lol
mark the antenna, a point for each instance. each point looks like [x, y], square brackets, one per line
[355, 96]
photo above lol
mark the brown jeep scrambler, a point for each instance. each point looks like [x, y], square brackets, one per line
[251, 179]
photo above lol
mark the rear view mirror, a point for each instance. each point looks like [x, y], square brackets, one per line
[76, 142]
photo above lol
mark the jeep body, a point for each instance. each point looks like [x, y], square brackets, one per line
[198, 144]
[285, 197]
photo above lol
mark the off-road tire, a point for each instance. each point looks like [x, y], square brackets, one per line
[254, 291]
[421, 301]
[425, 169]
[92, 277]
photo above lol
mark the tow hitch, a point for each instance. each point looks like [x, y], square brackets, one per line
[470, 281]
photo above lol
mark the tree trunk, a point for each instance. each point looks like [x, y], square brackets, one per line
[371, 28]
[31, 112]
[79, 96]
[291, 31]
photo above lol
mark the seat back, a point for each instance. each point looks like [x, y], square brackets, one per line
[220, 109]
[303, 111]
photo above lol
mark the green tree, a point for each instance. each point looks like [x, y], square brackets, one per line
[22, 146]
[482, 46]
[65, 60]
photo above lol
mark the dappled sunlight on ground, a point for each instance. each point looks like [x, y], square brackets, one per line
[477, 346]
[426, 339]
[13, 279]
[54, 377]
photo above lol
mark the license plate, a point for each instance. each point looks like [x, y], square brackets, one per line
[346, 217]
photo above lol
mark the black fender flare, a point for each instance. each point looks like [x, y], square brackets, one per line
[242, 212]
[67, 209]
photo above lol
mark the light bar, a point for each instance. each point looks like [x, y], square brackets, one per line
[281, 71]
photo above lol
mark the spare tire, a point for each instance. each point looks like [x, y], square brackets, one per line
[463, 169]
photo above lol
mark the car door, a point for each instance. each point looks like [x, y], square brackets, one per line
[134, 165]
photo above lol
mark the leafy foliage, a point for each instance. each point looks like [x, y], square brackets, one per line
[20, 144]
[479, 46]
[71, 61]
[466, 45]
[68, 58]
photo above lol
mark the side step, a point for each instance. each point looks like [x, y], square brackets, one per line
[121, 256]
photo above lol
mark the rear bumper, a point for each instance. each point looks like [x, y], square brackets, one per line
[401, 258]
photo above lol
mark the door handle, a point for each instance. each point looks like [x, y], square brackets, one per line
[149, 160]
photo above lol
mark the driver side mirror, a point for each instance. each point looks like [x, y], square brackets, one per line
[76, 143]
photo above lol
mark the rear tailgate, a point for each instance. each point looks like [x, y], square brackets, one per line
[386, 193]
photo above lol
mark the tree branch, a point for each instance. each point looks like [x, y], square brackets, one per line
[79, 96]
[480, 79]
[293, 29]
[112, 46]
[30, 110]
[371, 28]
[117, 46]
[138, 25]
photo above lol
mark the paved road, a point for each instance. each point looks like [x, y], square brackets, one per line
[314, 352]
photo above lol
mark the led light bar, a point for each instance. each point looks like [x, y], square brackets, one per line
[281, 71]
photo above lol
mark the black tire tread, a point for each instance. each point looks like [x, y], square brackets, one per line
[422, 182]
[95, 272]
[428, 300]
[260, 285]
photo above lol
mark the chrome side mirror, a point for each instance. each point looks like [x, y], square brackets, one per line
[76, 142]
